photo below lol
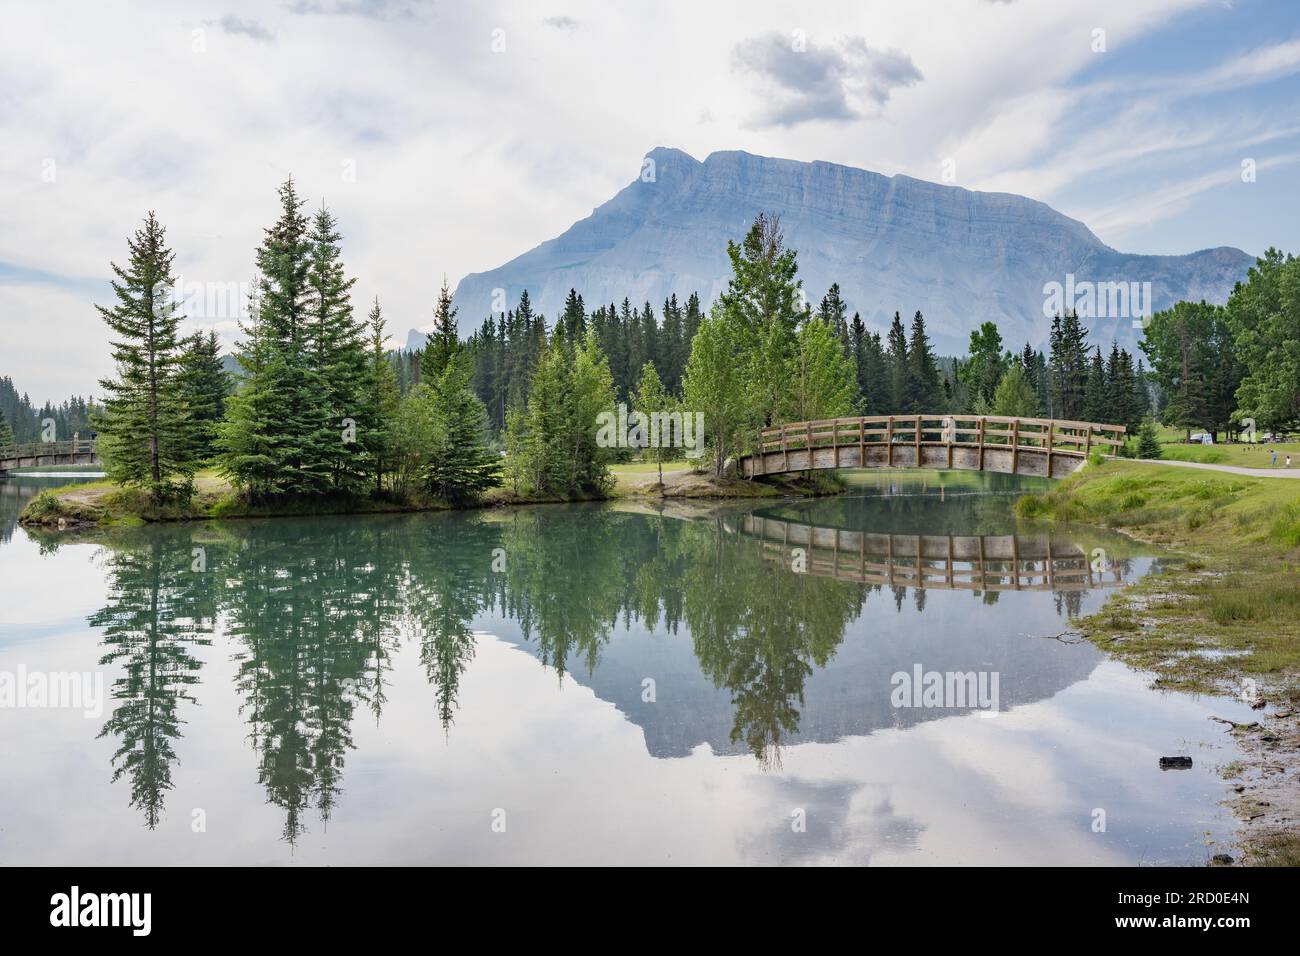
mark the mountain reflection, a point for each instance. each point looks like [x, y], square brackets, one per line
[315, 614]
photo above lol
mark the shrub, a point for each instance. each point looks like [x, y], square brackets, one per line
[1148, 440]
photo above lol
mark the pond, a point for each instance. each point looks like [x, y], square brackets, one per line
[884, 677]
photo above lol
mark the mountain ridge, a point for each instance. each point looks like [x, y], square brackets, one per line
[893, 243]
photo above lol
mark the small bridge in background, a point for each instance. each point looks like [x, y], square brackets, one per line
[1048, 448]
[44, 454]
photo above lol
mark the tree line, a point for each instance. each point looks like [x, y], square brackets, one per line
[321, 408]
[22, 422]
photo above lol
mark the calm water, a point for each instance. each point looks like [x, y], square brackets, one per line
[588, 684]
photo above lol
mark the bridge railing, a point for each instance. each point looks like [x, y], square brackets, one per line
[1057, 436]
[37, 449]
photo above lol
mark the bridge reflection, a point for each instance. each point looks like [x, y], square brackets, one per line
[995, 562]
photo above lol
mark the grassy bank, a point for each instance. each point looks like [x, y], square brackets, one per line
[105, 504]
[1236, 591]
[1225, 620]
[101, 503]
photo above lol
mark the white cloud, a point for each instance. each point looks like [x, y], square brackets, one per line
[465, 157]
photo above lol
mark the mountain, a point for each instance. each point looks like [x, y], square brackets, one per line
[893, 243]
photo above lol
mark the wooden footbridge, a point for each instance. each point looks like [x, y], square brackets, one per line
[1044, 447]
[42, 454]
[1003, 562]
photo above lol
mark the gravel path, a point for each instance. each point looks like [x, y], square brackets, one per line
[1278, 472]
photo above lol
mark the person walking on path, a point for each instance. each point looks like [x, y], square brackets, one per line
[1288, 461]
[1274, 451]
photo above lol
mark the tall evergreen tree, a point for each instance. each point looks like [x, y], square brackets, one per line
[275, 424]
[545, 447]
[1095, 401]
[204, 388]
[444, 340]
[672, 347]
[339, 360]
[896, 360]
[923, 393]
[146, 435]
[878, 385]
[1069, 366]
[833, 311]
[461, 465]
[6, 432]
[858, 345]
[381, 401]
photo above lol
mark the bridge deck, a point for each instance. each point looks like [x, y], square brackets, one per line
[1045, 447]
[41, 454]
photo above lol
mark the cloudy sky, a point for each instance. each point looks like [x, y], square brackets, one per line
[450, 137]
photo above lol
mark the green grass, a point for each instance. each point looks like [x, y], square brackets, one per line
[1237, 592]
[650, 467]
[1241, 454]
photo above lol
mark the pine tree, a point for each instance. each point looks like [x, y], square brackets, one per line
[461, 465]
[1095, 389]
[1141, 391]
[858, 346]
[271, 440]
[145, 433]
[1069, 365]
[833, 312]
[1148, 439]
[690, 325]
[6, 432]
[673, 348]
[923, 387]
[545, 449]
[204, 388]
[896, 360]
[339, 360]
[444, 341]
[381, 402]
[572, 323]
[878, 386]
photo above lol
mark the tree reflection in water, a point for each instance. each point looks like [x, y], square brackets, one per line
[314, 614]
